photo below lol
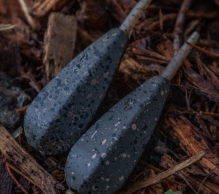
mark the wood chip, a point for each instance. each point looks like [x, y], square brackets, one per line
[192, 143]
[17, 156]
[59, 43]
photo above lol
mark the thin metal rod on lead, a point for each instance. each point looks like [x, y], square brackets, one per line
[134, 15]
[178, 59]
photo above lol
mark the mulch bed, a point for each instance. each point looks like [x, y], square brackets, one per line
[190, 121]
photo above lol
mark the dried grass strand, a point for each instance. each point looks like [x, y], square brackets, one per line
[202, 50]
[15, 180]
[20, 173]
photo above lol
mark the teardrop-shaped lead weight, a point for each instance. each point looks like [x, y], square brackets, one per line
[61, 112]
[104, 157]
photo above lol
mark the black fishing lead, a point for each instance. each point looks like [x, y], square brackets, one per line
[104, 157]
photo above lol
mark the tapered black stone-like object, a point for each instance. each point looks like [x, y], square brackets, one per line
[61, 112]
[104, 157]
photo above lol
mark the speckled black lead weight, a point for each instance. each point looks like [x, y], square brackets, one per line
[103, 158]
[59, 115]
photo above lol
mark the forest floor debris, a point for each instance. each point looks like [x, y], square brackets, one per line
[190, 121]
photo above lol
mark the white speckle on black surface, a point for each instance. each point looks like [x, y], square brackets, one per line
[137, 113]
[103, 155]
[61, 112]
[104, 141]
[134, 127]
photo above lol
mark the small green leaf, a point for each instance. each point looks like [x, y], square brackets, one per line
[171, 192]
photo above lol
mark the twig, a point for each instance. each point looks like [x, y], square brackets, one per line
[32, 79]
[35, 86]
[26, 13]
[118, 13]
[131, 188]
[156, 25]
[19, 172]
[187, 100]
[151, 53]
[143, 58]
[208, 43]
[210, 114]
[216, 2]
[5, 27]
[40, 67]
[161, 19]
[15, 180]
[192, 25]
[22, 110]
[167, 9]
[202, 50]
[178, 32]
[179, 174]
[199, 189]
[202, 14]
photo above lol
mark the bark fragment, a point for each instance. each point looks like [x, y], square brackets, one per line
[59, 42]
[193, 143]
[23, 161]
